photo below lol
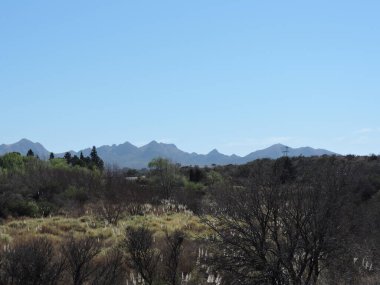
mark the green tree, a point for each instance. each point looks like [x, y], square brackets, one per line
[95, 159]
[30, 153]
[75, 161]
[195, 174]
[51, 156]
[59, 163]
[68, 157]
[12, 161]
[166, 172]
[213, 178]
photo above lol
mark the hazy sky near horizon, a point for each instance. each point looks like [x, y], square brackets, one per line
[233, 75]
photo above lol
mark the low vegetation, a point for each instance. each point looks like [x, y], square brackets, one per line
[287, 221]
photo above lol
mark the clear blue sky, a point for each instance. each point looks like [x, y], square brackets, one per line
[233, 75]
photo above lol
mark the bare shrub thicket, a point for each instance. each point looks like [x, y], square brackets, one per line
[32, 261]
[110, 269]
[281, 231]
[172, 254]
[115, 196]
[80, 254]
[141, 255]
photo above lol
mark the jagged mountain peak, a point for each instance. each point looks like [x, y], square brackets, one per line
[22, 146]
[153, 143]
[213, 152]
[24, 140]
[129, 155]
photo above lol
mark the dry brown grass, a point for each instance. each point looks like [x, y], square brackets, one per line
[59, 227]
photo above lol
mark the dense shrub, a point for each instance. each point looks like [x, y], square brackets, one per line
[22, 208]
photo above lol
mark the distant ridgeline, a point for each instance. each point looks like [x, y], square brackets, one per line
[128, 155]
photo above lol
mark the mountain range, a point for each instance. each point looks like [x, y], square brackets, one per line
[129, 155]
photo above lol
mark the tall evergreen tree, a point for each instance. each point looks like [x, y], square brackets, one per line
[95, 159]
[30, 153]
[76, 161]
[68, 158]
[51, 156]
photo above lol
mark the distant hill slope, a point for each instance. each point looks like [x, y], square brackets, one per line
[277, 150]
[23, 146]
[128, 155]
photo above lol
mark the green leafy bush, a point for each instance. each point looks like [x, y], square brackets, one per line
[20, 208]
[77, 194]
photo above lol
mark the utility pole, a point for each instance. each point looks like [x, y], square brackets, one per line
[286, 151]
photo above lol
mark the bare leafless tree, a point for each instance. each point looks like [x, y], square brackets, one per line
[276, 232]
[80, 254]
[110, 269]
[172, 255]
[32, 261]
[115, 196]
[141, 255]
[110, 211]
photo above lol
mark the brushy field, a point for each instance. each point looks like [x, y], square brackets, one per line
[59, 227]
